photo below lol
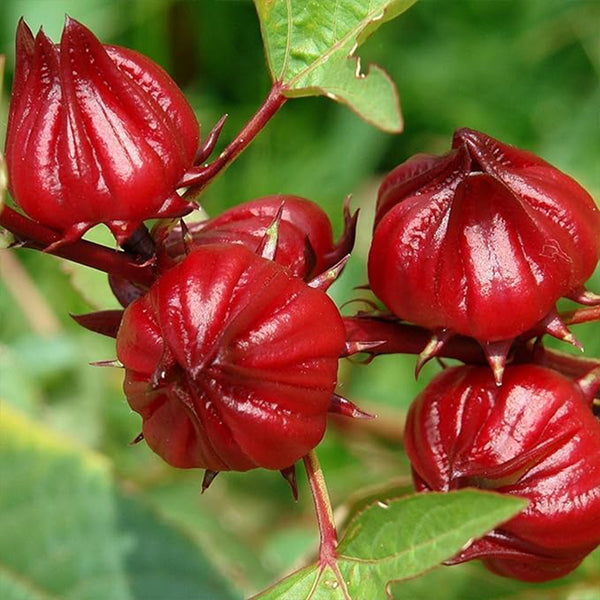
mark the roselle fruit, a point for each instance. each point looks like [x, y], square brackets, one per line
[304, 237]
[96, 134]
[535, 437]
[232, 361]
[482, 242]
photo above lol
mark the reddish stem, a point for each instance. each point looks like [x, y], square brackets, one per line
[401, 338]
[37, 236]
[569, 365]
[327, 532]
[202, 176]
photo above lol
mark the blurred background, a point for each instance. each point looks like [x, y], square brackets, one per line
[84, 515]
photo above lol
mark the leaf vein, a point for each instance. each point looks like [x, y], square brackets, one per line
[352, 33]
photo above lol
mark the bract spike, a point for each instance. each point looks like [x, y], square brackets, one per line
[268, 244]
[137, 439]
[122, 230]
[176, 206]
[208, 479]
[326, 278]
[73, 234]
[210, 142]
[432, 349]
[554, 326]
[107, 363]
[289, 474]
[356, 347]
[495, 354]
[346, 242]
[585, 297]
[590, 384]
[104, 322]
[342, 406]
[186, 237]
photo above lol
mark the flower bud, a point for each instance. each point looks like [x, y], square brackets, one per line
[96, 134]
[231, 361]
[482, 241]
[304, 234]
[535, 437]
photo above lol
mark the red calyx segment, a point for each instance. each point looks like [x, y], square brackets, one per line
[231, 361]
[535, 437]
[482, 241]
[96, 134]
[104, 322]
[304, 234]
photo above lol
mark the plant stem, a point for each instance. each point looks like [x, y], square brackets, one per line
[327, 531]
[199, 178]
[402, 338]
[34, 235]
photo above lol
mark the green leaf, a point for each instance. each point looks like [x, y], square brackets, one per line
[310, 47]
[398, 540]
[57, 516]
[164, 563]
[69, 534]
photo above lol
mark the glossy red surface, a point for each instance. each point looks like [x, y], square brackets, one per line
[305, 239]
[231, 361]
[482, 241]
[535, 437]
[96, 134]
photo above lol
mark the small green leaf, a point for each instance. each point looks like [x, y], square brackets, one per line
[406, 537]
[398, 540]
[310, 47]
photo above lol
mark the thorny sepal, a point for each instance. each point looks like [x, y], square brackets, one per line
[226, 341]
[305, 242]
[208, 478]
[482, 242]
[289, 474]
[535, 437]
[104, 322]
[342, 406]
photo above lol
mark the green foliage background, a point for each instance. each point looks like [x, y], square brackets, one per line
[77, 501]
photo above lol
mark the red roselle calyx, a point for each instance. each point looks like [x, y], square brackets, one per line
[482, 242]
[96, 134]
[232, 362]
[304, 234]
[535, 437]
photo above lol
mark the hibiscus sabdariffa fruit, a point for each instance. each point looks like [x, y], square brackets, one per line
[482, 242]
[305, 237]
[232, 361]
[96, 134]
[536, 437]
